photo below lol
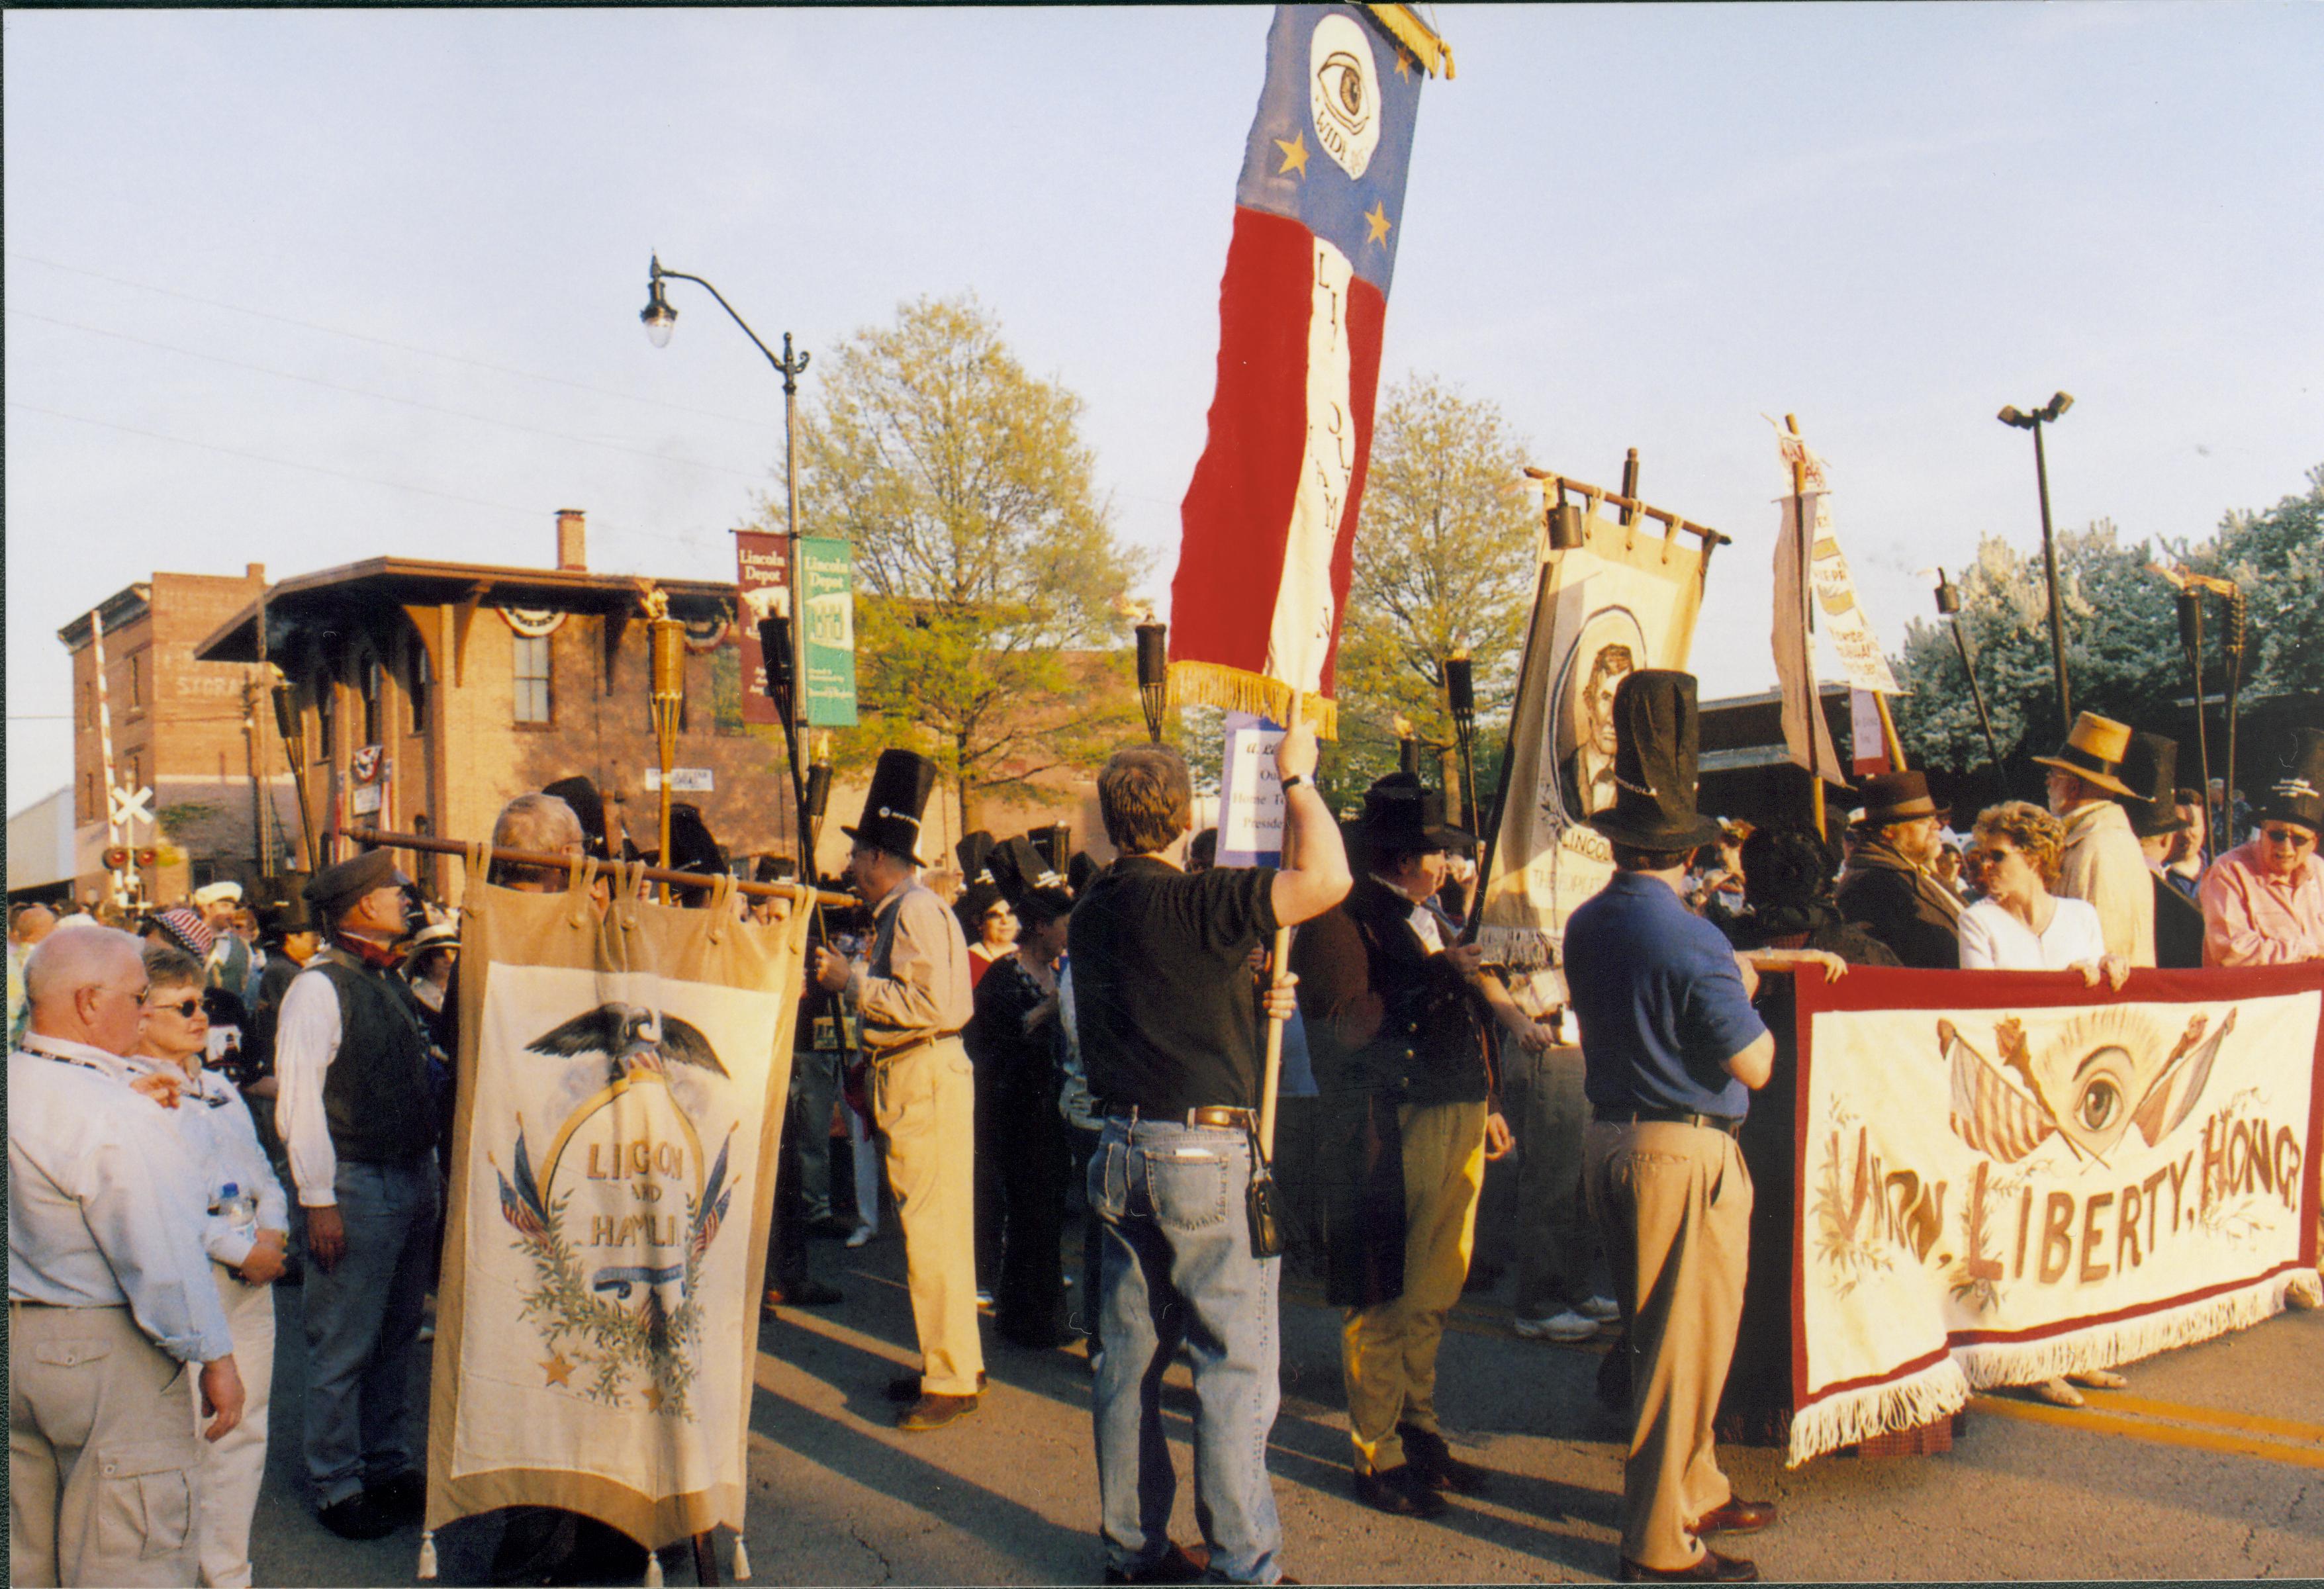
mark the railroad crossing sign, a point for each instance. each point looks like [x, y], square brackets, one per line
[132, 806]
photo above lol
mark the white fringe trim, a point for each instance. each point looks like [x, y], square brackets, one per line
[1942, 1389]
[1852, 1417]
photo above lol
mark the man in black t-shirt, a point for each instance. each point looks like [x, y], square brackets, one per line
[1169, 1023]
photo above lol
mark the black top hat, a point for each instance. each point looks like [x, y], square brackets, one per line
[691, 847]
[1402, 814]
[973, 851]
[1081, 872]
[1898, 797]
[587, 804]
[2298, 796]
[2151, 767]
[1657, 741]
[892, 806]
[1017, 869]
[774, 869]
[278, 922]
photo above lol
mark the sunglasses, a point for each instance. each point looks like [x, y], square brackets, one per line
[186, 1009]
[2295, 837]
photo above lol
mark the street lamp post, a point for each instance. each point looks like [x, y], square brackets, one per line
[661, 319]
[2048, 413]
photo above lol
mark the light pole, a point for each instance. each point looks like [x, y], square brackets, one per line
[661, 319]
[2048, 413]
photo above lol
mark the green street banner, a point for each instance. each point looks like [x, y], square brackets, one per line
[827, 578]
[2004, 1176]
[620, 1094]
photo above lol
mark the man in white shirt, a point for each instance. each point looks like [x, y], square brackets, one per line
[354, 1110]
[109, 1293]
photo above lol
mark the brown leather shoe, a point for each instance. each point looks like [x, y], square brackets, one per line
[907, 1387]
[1400, 1492]
[1739, 1516]
[1713, 1569]
[933, 1411]
[1177, 1564]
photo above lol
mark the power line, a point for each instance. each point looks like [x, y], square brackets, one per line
[381, 396]
[429, 353]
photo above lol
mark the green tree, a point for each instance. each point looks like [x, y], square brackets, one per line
[984, 555]
[1444, 558]
[2277, 557]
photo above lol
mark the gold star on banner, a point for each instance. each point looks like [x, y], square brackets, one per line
[560, 1372]
[1294, 154]
[1376, 219]
[653, 1398]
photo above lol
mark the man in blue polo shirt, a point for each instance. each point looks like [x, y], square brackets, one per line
[1671, 1050]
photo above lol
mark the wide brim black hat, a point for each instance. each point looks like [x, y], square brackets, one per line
[1017, 869]
[691, 847]
[2298, 794]
[1657, 743]
[1898, 797]
[893, 805]
[2150, 766]
[1402, 813]
[589, 806]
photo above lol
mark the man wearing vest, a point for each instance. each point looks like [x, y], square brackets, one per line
[351, 1055]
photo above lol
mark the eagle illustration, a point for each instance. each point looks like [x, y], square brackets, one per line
[634, 1038]
[2105, 1072]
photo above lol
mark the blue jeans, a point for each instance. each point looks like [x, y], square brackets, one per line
[1176, 1267]
[362, 1319]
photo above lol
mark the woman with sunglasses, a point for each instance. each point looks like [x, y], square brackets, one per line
[246, 1234]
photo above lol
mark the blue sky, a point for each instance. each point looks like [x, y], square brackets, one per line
[1629, 225]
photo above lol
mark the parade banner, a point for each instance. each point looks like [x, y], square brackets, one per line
[1268, 524]
[1625, 599]
[762, 577]
[827, 599]
[1844, 620]
[2004, 1176]
[613, 1172]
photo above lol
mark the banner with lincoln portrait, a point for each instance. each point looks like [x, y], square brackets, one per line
[621, 1078]
[2007, 1176]
[1626, 598]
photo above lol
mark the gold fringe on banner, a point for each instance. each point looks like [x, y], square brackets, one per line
[1416, 36]
[1236, 689]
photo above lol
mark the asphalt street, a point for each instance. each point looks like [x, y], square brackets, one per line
[2210, 1466]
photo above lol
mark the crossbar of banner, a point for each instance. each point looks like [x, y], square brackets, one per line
[429, 844]
[1556, 482]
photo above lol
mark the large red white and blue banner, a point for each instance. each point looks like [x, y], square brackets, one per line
[1268, 524]
[2005, 1175]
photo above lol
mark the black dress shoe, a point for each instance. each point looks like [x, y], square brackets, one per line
[1400, 1492]
[1174, 1566]
[816, 1294]
[358, 1517]
[906, 1387]
[1739, 1516]
[1425, 1450]
[403, 1497]
[1713, 1569]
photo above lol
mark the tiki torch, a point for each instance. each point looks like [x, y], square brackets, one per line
[1949, 605]
[668, 699]
[1153, 674]
[1460, 696]
[1408, 748]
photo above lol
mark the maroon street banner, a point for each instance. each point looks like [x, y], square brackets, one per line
[762, 570]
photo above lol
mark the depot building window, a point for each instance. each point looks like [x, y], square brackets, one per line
[532, 698]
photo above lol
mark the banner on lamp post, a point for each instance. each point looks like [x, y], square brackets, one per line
[761, 564]
[827, 606]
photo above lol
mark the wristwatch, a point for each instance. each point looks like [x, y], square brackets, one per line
[1293, 782]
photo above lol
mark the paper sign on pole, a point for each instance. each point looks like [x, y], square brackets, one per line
[1251, 794]
[683, 780]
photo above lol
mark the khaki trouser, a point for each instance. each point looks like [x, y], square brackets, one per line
[1388, 1353]
[232, 1468]
[103, 1467]
[1675, 1204]
[925, 1105]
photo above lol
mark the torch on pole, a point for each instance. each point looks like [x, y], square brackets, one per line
[669, 699]
[1461, 697]
[2048, 414]
[1949, 604]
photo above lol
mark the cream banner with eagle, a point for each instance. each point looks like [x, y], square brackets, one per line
[2004, 1176]
[620, 1094]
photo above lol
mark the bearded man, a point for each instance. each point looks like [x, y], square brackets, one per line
[1890, 888]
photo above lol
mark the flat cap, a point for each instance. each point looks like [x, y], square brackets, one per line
[349, 880]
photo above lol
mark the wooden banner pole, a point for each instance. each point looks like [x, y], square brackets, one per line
[1278, 963]
[428, 843]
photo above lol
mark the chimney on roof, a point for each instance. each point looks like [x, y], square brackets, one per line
[572, 548]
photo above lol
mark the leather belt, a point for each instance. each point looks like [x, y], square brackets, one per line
[880, 1056]
[1719, 1123]
[1220, 1117]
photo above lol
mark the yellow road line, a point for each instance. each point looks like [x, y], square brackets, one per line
[2163, 1434]
[2252, 1423]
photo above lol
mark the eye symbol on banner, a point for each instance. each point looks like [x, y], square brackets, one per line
[1343, 93]
[2105, 1072]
